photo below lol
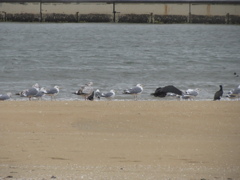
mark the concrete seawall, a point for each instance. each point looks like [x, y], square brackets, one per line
[121, 13]
[127, 18]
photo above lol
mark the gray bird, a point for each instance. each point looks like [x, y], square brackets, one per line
[135, 91]
[52, 92]
[41, 93]
[190, 94]
[4, 97]
[98, 94]
[109, 95]
[30, 93]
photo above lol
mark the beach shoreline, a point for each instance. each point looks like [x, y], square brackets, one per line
[120, 140]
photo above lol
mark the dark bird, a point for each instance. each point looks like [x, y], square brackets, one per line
[218, 94]
[162, 91]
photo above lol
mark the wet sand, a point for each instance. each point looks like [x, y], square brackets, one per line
[120, 140]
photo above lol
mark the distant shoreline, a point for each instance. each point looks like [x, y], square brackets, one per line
[129, 12]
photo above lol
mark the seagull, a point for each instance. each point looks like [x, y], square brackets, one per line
[98, 94]
[22, 93]
[134, 91]
[190, 94]
[218, 94]
[235, 93]
[85, 91]
[109, 95]
[40, 93]
[52, 92]
[163, 91]
[91, 97]
[4, 97]
[31, 92]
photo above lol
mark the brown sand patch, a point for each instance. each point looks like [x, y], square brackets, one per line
[120, 140]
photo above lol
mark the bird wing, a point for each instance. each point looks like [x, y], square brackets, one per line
[4, 97]
[135, 90]
[236, 91]
[31, 92]
[191, 92]
[109, 94]
[52, 91]
[87, 90]
[39, 94]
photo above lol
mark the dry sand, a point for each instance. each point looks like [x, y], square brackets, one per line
[120, 140]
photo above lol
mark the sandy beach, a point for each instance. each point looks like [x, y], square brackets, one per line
[133, 140]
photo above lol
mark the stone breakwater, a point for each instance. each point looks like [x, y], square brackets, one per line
[124, 18]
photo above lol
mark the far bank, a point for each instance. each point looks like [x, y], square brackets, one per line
[167, 12]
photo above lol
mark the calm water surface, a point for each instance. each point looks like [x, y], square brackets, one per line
[118, 56]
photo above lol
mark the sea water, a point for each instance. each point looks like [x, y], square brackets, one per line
[119, 56]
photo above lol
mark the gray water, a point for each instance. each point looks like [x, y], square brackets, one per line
[118, 56]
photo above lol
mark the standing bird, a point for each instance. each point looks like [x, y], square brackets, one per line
[4, 97]
[163, 91]
[52, 92]
[85, 91]
[98, 94]
[40, 93]
[135, 91]
[30, 93]
[218, 94]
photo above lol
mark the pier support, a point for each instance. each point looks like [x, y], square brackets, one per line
[151, 18]
[4, 16]
[41, 19]
[189, 14]
[227, 18]
[114, 13]
[77, 17]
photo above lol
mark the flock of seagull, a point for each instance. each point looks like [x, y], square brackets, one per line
[88, 92]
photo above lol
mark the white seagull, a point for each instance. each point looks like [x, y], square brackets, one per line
[52, 92]
[86, 91]
[234, 93]
[4, 97]
[41, 93]
[190, 94]
[109, 95]
[135, 91]
[30, 93]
